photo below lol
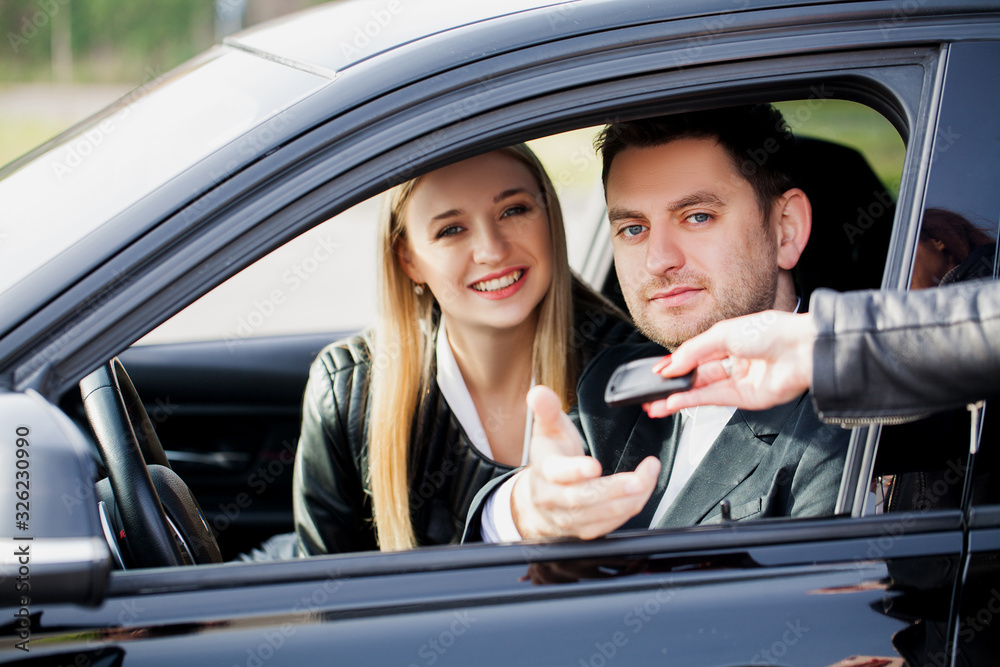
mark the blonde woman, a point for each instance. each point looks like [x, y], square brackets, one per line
[477, 303]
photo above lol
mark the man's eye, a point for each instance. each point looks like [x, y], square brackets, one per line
[699, 218]
[632, 230]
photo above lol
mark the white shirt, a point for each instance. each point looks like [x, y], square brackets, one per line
[456, 392]
[699, 429]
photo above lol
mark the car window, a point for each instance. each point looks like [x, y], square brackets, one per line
[196, 117]
[922, 465]
[324, 280]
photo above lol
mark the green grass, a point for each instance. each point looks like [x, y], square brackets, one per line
[853, 125]
[19, 134]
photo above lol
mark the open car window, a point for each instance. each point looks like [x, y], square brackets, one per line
[324, 281]
[320, 287]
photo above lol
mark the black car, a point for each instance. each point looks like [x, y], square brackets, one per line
[267, 150]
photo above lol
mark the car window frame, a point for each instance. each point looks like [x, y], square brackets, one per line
[308, 199]
[778, 530]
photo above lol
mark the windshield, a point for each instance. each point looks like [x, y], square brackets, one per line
[111, 161]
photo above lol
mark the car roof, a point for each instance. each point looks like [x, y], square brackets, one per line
[339, 35]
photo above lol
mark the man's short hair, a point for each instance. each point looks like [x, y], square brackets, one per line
[755, 136]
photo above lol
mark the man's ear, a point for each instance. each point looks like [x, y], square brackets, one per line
[792, 223]
[406, 262]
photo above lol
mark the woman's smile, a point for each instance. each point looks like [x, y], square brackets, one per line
[507, 284]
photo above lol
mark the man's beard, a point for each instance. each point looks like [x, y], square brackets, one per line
[749, 287]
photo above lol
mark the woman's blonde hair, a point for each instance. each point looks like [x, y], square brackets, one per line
[403, 351]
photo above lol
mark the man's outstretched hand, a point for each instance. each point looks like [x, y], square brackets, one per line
[562, 492]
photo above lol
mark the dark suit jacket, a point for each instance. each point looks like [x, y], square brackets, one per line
[769, 463]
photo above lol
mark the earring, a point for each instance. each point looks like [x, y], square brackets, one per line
[418, 289]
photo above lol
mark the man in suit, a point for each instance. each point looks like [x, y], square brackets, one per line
[706, 225]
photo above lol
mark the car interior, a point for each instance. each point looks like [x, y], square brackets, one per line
[221, 382]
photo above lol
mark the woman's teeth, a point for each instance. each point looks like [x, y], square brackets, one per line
[498, 283]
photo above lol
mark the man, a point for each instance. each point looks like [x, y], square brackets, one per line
[706, 225]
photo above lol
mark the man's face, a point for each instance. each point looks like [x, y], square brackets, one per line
[691, 244]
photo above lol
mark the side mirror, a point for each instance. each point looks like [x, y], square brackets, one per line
[52, 545]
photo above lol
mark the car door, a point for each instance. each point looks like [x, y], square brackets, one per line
[965, 158]
[771, 592]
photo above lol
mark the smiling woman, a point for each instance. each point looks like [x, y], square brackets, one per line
[476, 303]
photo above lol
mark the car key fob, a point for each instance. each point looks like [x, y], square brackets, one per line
[635, 382]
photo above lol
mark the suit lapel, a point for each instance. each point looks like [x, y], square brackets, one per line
[650, 438]
[733, 457]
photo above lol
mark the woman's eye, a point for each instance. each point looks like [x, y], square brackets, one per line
[699, 218]
[450, 230]
[632, 230]
[517, 209]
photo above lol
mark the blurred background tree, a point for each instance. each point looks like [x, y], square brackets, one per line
[117, 41]
[62, 60]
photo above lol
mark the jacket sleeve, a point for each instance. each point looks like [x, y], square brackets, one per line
[881, 356]
[332, 510]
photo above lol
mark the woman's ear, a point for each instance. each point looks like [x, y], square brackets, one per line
[793, 225]
[406, 262]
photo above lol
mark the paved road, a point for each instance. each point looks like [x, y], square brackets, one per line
[31, 114]
[61, 104]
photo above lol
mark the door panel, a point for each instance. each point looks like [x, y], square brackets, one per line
[866, 594]
[228, 414]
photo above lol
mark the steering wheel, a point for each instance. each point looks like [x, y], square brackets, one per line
[162, 523]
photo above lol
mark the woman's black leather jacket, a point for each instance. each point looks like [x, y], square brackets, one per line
[332, 502]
